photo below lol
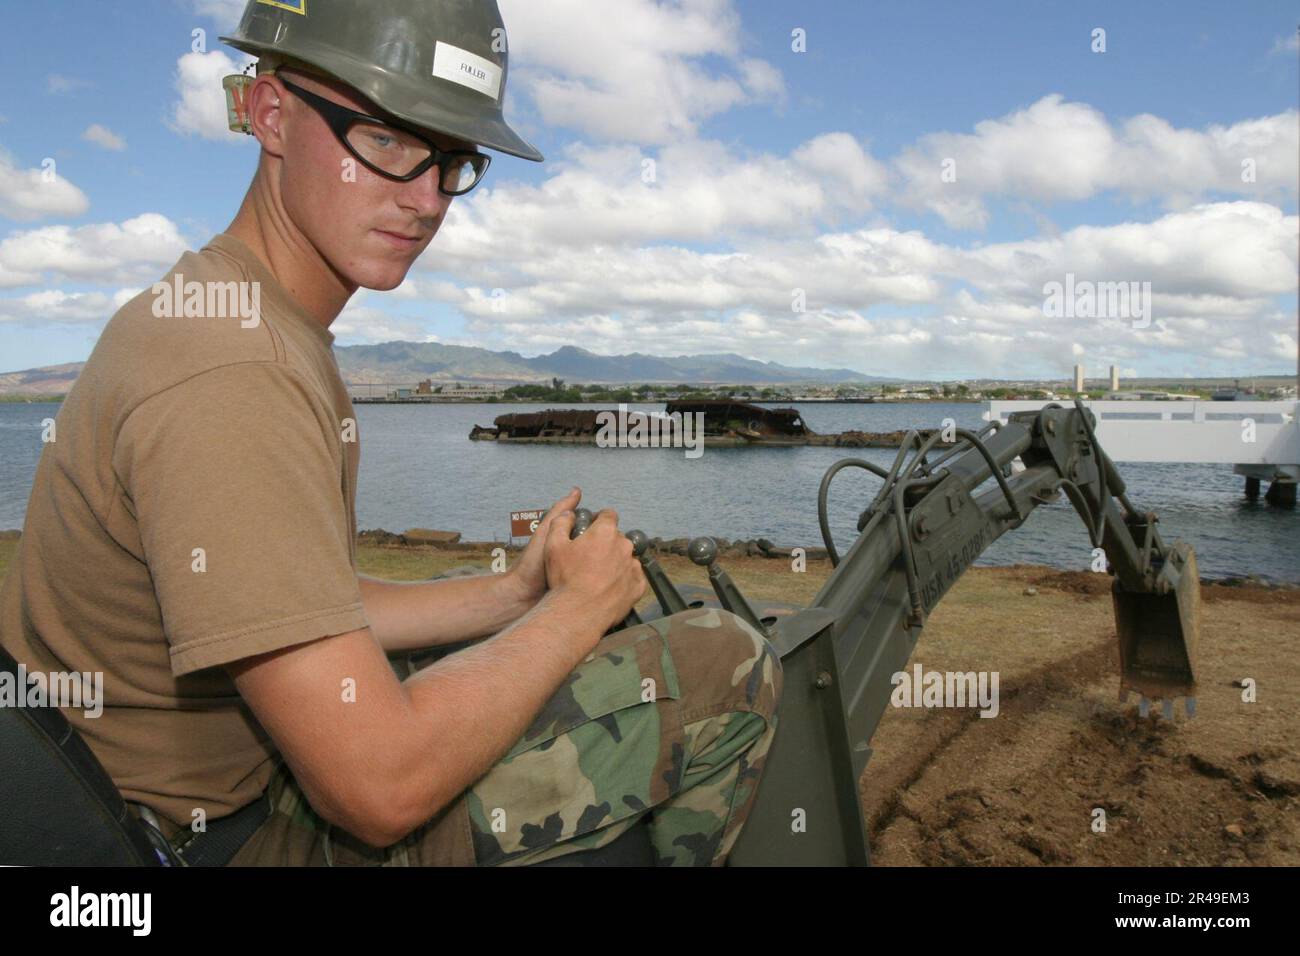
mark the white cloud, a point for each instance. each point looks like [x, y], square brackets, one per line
[632, 70]
[1061, 151]
[1287, 44]
[1233, 250]
[201, 107]
[30, 194]
[103, 136]
[699, 193]
[1284, 345]
[137, 249]
[878, 299]
[56, 306]
[225, 12]
[843, 164]
[366, 325]
[58, 83]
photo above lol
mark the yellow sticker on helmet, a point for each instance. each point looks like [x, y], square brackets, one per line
[297, 6]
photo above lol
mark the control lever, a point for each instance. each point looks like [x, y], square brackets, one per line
[582, 519]
[670, 601]
[704, 552]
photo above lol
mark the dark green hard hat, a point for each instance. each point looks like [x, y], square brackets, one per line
[436, 64]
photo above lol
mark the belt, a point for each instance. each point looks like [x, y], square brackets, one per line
[217, 843]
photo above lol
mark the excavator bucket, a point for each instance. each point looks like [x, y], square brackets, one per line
[1159, 632]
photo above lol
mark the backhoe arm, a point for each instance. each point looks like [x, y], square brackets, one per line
[932, 518]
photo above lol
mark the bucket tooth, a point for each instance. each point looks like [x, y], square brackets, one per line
[1168, 708]
[1144, 707]
[1189, 705]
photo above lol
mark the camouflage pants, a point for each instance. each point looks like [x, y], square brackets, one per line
[672, 719]
[668, 722]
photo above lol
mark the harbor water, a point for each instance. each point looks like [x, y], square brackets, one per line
[419, 469]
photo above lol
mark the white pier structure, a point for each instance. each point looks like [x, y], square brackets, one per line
[1261, 440]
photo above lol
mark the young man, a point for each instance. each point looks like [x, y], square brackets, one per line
[191, 530]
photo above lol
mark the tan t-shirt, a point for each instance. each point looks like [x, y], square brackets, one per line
[196, 506]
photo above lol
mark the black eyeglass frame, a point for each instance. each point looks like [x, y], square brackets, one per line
[340, 118]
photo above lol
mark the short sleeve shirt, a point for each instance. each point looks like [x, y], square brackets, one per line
[196, 506]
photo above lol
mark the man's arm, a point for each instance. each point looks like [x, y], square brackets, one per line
[381, 760]
[406, 616]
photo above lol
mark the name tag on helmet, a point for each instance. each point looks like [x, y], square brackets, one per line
[468, 69]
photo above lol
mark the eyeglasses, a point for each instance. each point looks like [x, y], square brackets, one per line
[393, 151]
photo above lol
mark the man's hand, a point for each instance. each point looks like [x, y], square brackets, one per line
[528, 576]
[413, 615]
[594, 577]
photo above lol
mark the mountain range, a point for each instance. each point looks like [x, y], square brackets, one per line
[402, 362]
[51, 380]
[405, 363]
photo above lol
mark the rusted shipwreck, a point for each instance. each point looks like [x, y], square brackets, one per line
[724, 423]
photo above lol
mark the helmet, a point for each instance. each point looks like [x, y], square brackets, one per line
[435, 64]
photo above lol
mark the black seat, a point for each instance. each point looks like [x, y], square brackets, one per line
[58, 806]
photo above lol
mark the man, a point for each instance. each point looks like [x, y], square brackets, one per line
[191, 530]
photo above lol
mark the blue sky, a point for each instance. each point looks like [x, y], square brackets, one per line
[827, 185]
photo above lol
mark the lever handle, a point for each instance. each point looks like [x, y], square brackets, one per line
[670, 601]
[704, 552]
[582, 519]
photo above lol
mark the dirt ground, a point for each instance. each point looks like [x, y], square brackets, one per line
[946, 787]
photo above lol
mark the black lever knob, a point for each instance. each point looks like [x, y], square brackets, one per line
[633, 618]
[704, 552]
[640, 543]
[582, 519]
[670, 600]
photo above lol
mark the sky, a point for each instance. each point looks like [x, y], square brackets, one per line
[901, 189]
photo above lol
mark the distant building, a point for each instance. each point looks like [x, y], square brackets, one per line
[426, 391]
[1114, 378]
[1078, 378]
[1150, 396]
[471, 392]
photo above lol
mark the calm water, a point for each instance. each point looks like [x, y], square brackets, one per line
[419, 469]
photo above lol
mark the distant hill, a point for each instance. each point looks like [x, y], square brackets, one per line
[51, 380]
[406, 363]
[403, 362]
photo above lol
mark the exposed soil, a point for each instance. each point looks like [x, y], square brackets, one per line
[949, 788]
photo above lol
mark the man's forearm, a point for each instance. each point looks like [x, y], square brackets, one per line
[408, 616]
